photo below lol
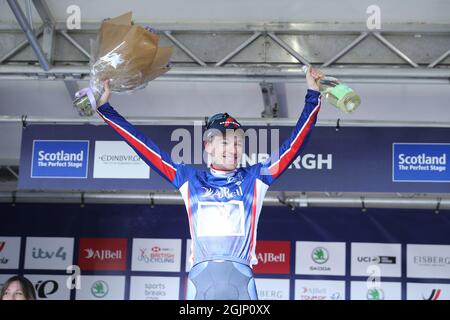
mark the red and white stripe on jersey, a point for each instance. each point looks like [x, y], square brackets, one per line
[287, 157]
[184, 190]
[259, 193]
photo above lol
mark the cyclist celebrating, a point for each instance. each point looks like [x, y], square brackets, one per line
[224, 203]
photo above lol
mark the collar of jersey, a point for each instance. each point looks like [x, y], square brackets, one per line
[222, 173]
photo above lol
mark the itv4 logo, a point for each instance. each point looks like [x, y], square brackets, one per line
[39, 253]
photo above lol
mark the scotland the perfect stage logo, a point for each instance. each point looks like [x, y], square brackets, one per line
[60, 159]
[421, 162]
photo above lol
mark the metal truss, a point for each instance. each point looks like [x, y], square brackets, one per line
[293, 200]
[240, 52]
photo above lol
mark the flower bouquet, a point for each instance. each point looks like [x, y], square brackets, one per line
[127, 55]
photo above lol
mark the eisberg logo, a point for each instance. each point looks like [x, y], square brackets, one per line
[421, 162]
[59, 159]
[270, 294]
[436, 261]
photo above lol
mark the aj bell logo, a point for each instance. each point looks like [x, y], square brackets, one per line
[271, 257]
[103, 254]
[222, 192]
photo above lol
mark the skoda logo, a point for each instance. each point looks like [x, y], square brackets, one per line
[320, 255]
[99, 289]
[375, 294]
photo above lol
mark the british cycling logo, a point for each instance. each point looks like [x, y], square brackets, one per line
[157, 255]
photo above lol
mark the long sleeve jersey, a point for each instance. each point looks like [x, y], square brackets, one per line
[223, 207]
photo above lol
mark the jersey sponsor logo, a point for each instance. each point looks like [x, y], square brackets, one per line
[222, 192]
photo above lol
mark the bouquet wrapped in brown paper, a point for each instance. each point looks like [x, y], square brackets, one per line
[125, 54]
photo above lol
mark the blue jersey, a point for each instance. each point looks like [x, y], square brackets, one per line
[223, 207]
